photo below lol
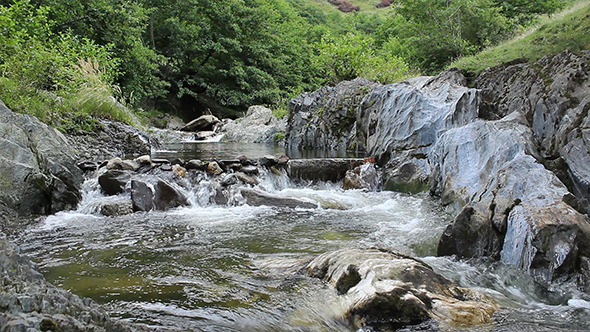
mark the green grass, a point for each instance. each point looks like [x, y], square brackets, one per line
[569, 29]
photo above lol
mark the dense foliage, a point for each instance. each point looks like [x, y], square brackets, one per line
[190, 56]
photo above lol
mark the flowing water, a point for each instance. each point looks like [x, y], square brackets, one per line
[238, 268]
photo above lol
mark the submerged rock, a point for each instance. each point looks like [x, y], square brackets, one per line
[388, 291]
[29, 303]
[117, 208]
[256, 197]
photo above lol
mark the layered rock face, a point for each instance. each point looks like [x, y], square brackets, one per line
[38, 173]
[510, 157]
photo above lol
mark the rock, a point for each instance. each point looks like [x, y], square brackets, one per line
[87, 166]
[321, 169]
[268, 161]
[177, 161]
[160, 161]
[35, 161]
[553, 95]
[117, 208]
[250, 170]
[29, 303]
[247, 179]
[229, 180]
[144, 160]
[326, 118]
[362, 177]
[113, 182]
[167, 197]
[203, 135]
[244, 160]
[512, 207]
[142, 195]
[166, 167]
[234, 166]
[196, 164]
[115, 163]
[388, 291]
[178, 170]
[203, 123]
[257, 198]
[214, 168]
[259, 125]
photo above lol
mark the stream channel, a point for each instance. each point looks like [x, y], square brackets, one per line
[208, 267]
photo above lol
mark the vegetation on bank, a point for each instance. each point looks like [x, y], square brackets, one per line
[568, 30]
[68, 62]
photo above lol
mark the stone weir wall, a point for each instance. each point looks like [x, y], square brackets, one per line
[510, 156]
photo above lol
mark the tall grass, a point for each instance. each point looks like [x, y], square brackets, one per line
[569, 29]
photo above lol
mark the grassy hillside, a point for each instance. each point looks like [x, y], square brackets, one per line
[569, 29]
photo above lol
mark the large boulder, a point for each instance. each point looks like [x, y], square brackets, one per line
[399, 124]
[259, 125]
[167, 196]
[553, 94]
[389, 291]
[511, 207]
[38, 172]
[205, 122]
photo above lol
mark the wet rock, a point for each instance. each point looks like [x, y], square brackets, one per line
[362, 177]
[250, 170]
[203, 135]
[321, 169]
[160, 161]
[87, 166]
[29, 303]
[144, 160]
[178, 170]
[283, 160]
[553, 95]
[113, 182]
[196, 164]
[117, 208]
[259, 125]
[247, 179]
[513, 208]
[203, 123]
[268, 161]
[229, 180]
[257, 198]
[166, 167]
[325, 119]
[167, 197]
[234, 166]
[142, 195]
[276, 170]
[388, 291]
[177, 161]
[214, 168]
[35, 160]
[119, 164]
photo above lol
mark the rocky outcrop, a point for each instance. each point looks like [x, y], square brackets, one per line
[511, 157]
[38, 172]
[29, 303]
[512, 208]
[388, 291]
[259, 125]
[325, 119]
[553, 94]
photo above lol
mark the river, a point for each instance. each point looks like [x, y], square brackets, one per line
[207, 267]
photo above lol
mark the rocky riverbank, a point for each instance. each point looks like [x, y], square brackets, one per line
[507, 156]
